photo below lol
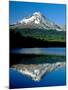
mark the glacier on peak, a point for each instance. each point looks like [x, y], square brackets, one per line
[38, 20]
[35, 18]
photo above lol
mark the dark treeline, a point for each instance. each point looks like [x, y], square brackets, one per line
[34, 59]
[18, 41]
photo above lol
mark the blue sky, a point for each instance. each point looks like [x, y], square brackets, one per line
[19, 10]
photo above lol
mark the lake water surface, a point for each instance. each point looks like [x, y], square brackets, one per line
[56, 51]
[54, 78]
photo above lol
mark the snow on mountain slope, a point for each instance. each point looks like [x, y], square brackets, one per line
[37, 20]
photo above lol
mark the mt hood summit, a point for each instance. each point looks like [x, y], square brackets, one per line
[36, 21]
[36, 18]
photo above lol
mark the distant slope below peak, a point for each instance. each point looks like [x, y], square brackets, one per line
[37, 38]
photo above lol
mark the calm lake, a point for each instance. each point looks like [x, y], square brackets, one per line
[36, 56]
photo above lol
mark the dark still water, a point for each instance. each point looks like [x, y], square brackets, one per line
[37, 56]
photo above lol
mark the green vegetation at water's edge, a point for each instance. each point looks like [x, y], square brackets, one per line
[22, 38]
[42, 34]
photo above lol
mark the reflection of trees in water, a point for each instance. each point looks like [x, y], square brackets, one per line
[35, 59]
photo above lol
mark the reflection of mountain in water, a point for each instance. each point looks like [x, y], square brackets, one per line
[37, 71]
[36, 66]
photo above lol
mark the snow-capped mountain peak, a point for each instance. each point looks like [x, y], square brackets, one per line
[34, 18]
[37, 20]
